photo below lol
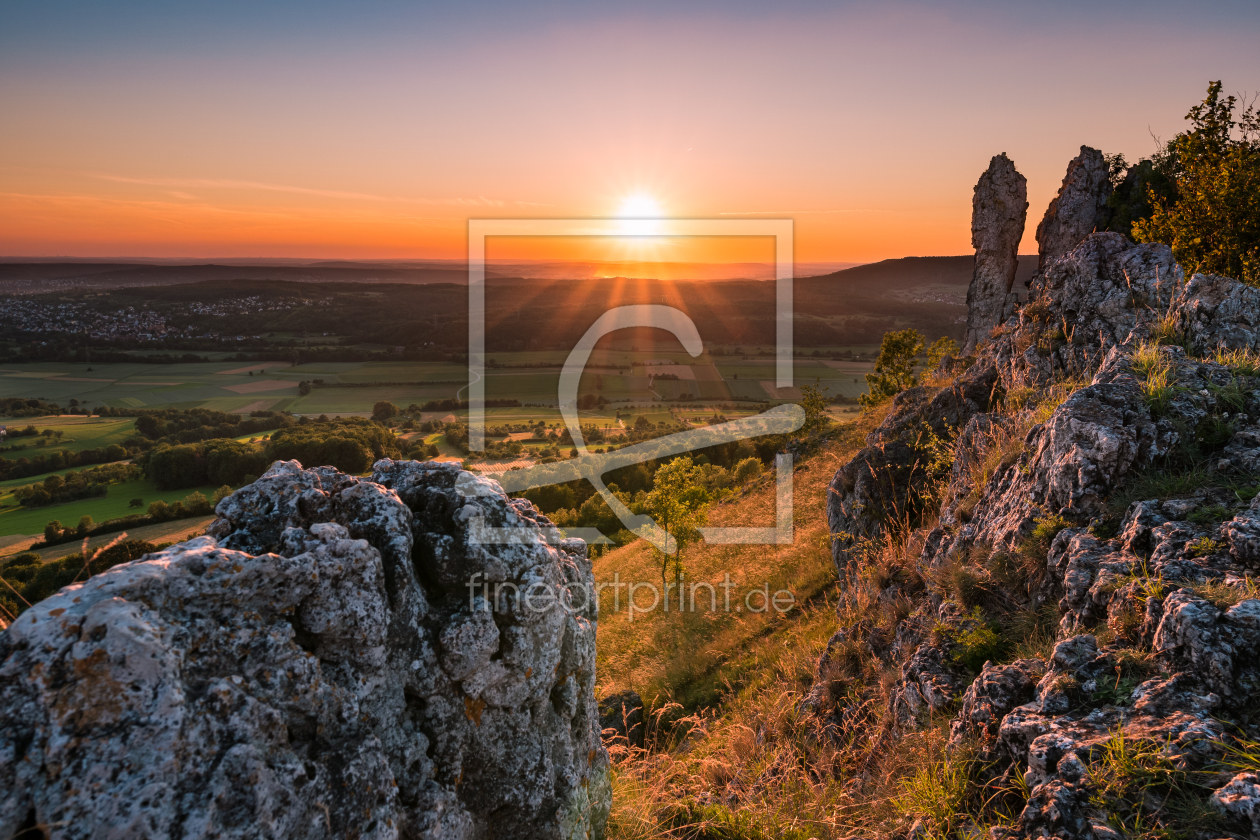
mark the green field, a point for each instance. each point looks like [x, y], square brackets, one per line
[79, 433]
[229, 386]
[201, 384]
[20, 520]
[623, 382]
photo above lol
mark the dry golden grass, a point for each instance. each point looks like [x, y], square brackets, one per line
[658, 652]
[730, 752]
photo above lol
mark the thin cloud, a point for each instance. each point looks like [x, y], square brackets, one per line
[161, 210]
[232, 184]
[797, 212]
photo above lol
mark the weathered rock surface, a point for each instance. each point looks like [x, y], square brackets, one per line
[1240, 799]
[999, 209]
[1218, 311]
[318, 667]
[1039, 516]
[1078, 210]
[879, 485]
[995, 693]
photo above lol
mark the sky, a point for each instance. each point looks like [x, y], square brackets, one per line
[377, 129]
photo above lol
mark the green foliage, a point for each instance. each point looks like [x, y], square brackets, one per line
[746, 470]
[939, 349]
[1116, 693]
[1204, 547]
[814, 403]
[717, 822]
[195, 464]
[1136, 193]
[196, 504]
[384, 411]
[1243, 756]
[1158, 377]
[1144, 792]
[1209, 515]
[894, 367]
[1213, 220]
[680, 505]
[1045, 529]
[1243, 362]
[350, 444]
[90, 483]
[982, 643]
[937, 793]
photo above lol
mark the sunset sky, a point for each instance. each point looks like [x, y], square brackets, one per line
[376, 129]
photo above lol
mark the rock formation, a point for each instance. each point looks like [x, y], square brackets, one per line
[998, 211]
[1107, 376]
[317, 667]
[1078, 210]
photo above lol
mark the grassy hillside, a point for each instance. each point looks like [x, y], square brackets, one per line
[722, 686]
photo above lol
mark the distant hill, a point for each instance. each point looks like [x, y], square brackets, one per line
[32, 277]
[910, 272]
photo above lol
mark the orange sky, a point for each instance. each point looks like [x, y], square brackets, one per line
[318, 130]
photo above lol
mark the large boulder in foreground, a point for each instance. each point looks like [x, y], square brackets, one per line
[318, 667]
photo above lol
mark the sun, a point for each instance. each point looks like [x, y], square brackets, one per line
[640, 206]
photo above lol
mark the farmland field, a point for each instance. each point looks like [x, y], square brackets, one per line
[20, 520]
[620, 376]
[720, 384]
[78, 433]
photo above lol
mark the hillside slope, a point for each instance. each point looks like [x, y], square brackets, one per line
[1049, 612]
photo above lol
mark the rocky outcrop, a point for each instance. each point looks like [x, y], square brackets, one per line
[326, 664]
[998, 211]
[1078, 210]
[1240, 799]
[996, 691]
[1105, 488]
[882, 483]
[1215, 311]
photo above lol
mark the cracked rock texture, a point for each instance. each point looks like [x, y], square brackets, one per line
[317, 667]
[1080, 494]
[1078, 210]
[999, 209]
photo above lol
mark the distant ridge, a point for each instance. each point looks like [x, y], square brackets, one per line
[874, 279]
[907, 272]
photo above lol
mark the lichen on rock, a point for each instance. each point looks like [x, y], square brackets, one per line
[318, 666]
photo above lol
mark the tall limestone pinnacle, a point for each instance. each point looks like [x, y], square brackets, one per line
[998, 212]
[1078, 210]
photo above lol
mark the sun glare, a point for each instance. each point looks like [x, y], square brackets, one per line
[640, 207]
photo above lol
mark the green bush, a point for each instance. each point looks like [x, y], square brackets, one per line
[982, 643]
[894, 367]
[1212, 221]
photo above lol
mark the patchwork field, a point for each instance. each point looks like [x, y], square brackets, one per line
[78, 433]
[532, 377]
